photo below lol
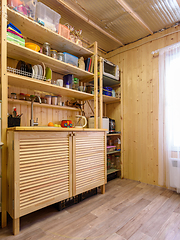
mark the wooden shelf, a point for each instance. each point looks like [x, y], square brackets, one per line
[34, 84]
[38, 33]
[112, 170]
[18, 52]
[42, 105]
[113, 152]
[113, 134]
[109, 99]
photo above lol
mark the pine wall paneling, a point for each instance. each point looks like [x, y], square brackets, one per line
[140, 90]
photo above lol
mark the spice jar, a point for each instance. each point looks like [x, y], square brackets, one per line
[48, 97]
[54, 100]
[60, 56]
[59, 100]
[54, 54]
[43, 99]
[46, 49]
[13, 96]
[27, 97]
[21, 96]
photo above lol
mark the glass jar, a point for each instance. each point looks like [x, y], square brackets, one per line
[44, 100]
[13, 96]
[27, 97]
[48, 97]
[60, 56]
[59, 100]
[54, 100]
[54, 54]
[46, 49]
[21, 96]
[118, 162]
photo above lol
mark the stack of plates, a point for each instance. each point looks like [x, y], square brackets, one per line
[38, 71]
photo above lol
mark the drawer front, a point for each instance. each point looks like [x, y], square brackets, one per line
[89, 161]
[44, 168]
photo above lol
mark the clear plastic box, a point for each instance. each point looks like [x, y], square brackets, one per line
[47, 17]
[25, 7]
[64, 31]
[68, 58]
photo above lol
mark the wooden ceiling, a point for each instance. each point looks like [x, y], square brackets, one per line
[117, 23]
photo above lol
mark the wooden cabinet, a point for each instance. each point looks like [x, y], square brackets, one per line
[89, 161]
[47, 167]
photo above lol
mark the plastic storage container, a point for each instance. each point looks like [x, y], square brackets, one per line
[13, 96]
[54, 100]
[68, 58]
[111, 148]
[67, 80]
[64, 31]
[26, 7]
[107, 91]
[47, 17]
[22, 96]
[48, 97]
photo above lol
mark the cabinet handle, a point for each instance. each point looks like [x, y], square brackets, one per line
[71, 134]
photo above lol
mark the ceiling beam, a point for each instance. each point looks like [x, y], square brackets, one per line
[135, 15]
[89, 22]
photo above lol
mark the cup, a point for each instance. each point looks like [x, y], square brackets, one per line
[81, 88]
[59, 82]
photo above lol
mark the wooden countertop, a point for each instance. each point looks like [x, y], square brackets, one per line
[55, 129]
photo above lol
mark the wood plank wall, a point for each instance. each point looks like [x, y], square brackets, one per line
[140, 88]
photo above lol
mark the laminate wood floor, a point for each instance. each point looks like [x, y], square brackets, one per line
[128, 210]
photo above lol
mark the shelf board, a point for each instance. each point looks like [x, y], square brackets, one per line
[42, 34]
[18, 52]
[34, 84]
[113, 134]
[109, 99]
[16, 101]
[112, 170]
[113, 152]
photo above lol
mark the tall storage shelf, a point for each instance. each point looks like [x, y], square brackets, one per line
[105, 100]
[40, 34]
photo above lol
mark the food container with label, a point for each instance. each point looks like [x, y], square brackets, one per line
[67, 80]
[21, 96]
[54, 100]
[27, 97]
[111, 148]
[46, 49]
[13, 96]
[48, 97]
[59, 100]
[60, 56]
[54, 54]
[43, 99]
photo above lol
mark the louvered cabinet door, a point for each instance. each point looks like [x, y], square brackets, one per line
[45, 169]
[89, 161]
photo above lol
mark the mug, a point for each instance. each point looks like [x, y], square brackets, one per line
[59, 82]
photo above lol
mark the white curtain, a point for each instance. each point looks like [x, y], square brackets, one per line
[169, 116]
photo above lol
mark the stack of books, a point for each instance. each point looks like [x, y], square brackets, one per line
[15, 35]
[89, 64]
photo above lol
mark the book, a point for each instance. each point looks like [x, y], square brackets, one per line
[89, 64]
[92, 64]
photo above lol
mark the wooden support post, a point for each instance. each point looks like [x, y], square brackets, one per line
[4, 109]
[95, 86]
[103, 189]
[16, 226]
[122, 124]
[101, 91]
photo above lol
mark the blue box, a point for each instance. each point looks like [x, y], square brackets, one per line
[71, 59]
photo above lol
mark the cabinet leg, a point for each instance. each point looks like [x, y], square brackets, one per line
[119, 174]
[16, 226]
[103, 189]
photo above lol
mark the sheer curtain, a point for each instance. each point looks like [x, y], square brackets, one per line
[169, 116]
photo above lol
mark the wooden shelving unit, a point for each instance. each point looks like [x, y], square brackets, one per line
[38, 33]
[35, 32]
[43, 105]
[109, 99]
[31, 83]
[112, 170]
[22, 53]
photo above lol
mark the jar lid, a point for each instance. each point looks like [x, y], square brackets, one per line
[60, 53]
[32, 96]
[59, 96]
[13, 93]
[46, 43]
[27, 95]
[54, 96]
[43, 98]
[22, 94]
[53, 51]
[48, 96]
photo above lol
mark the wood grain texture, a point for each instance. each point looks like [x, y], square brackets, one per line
[100, 216]
[140, 93]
